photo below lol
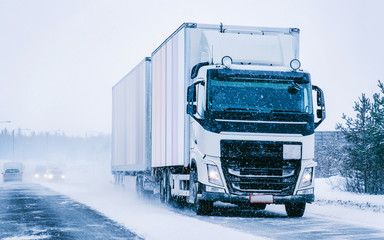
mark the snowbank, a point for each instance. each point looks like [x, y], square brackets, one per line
[330, 191]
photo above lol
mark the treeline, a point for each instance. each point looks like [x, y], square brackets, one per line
[14, 145]
[357, 153]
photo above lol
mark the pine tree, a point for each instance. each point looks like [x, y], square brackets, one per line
[377, 115]
[363, 161]
[356, 132]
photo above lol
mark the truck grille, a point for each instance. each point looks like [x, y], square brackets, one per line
[258, 167]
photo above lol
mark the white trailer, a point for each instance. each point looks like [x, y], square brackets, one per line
[220, 113]
[131, 127]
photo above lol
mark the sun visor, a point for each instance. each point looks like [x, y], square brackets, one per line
[259, 48]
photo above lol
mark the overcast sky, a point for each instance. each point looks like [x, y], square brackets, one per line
[60, 58]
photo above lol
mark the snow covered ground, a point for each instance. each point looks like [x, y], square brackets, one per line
[92, 185]
[360, 209]
[149, 219]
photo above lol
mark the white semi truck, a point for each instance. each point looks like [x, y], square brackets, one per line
[220, 113]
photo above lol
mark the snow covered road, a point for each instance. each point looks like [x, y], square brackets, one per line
[152, 220]
[30, 211]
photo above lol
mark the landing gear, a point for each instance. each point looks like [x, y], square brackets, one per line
[295, 209]
[201, 207]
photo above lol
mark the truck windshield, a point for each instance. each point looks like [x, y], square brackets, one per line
[258, 95]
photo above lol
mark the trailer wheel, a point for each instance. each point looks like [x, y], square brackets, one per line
[201, 207]
[167, 190]
[295, 209]
[139, 187]
[162, 187]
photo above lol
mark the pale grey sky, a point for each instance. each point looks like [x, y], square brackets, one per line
[60, 58]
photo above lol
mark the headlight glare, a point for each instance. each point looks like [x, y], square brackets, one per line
[307, 177]
[214, 175]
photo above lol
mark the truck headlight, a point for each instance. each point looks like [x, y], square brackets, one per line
[292, 151]
[214, 175]
[306, 179]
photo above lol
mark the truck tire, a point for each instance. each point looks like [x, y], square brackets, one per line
[139, 187]
[295, 209]
[168, 199]
[201, 207]
[162, 187]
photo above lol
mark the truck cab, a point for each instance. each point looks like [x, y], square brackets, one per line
[252, 135]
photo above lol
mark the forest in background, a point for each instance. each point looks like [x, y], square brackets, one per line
[51, 147]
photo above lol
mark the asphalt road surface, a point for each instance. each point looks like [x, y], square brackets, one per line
[30, 211]
[277, 225]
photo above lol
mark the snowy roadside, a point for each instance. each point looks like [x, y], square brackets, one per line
[327, 192]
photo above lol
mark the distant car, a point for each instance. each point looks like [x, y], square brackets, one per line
[54, 174]
[39, 172]
[12, 175]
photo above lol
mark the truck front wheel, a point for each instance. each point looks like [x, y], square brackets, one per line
[201, 207]
[295, 209]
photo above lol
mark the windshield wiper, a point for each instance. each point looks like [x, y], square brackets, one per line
[243, 109]
[285, 111]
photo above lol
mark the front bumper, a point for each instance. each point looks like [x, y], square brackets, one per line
[231, 198]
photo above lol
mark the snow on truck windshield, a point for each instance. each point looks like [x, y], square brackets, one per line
[232, 93]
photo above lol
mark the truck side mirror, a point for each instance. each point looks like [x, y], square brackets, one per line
[191, 98]
[320, 113]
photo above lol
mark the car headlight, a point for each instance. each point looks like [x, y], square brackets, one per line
[37, 176]
[214, 175]
[292, 151]
[306, 179]
[62, 176]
